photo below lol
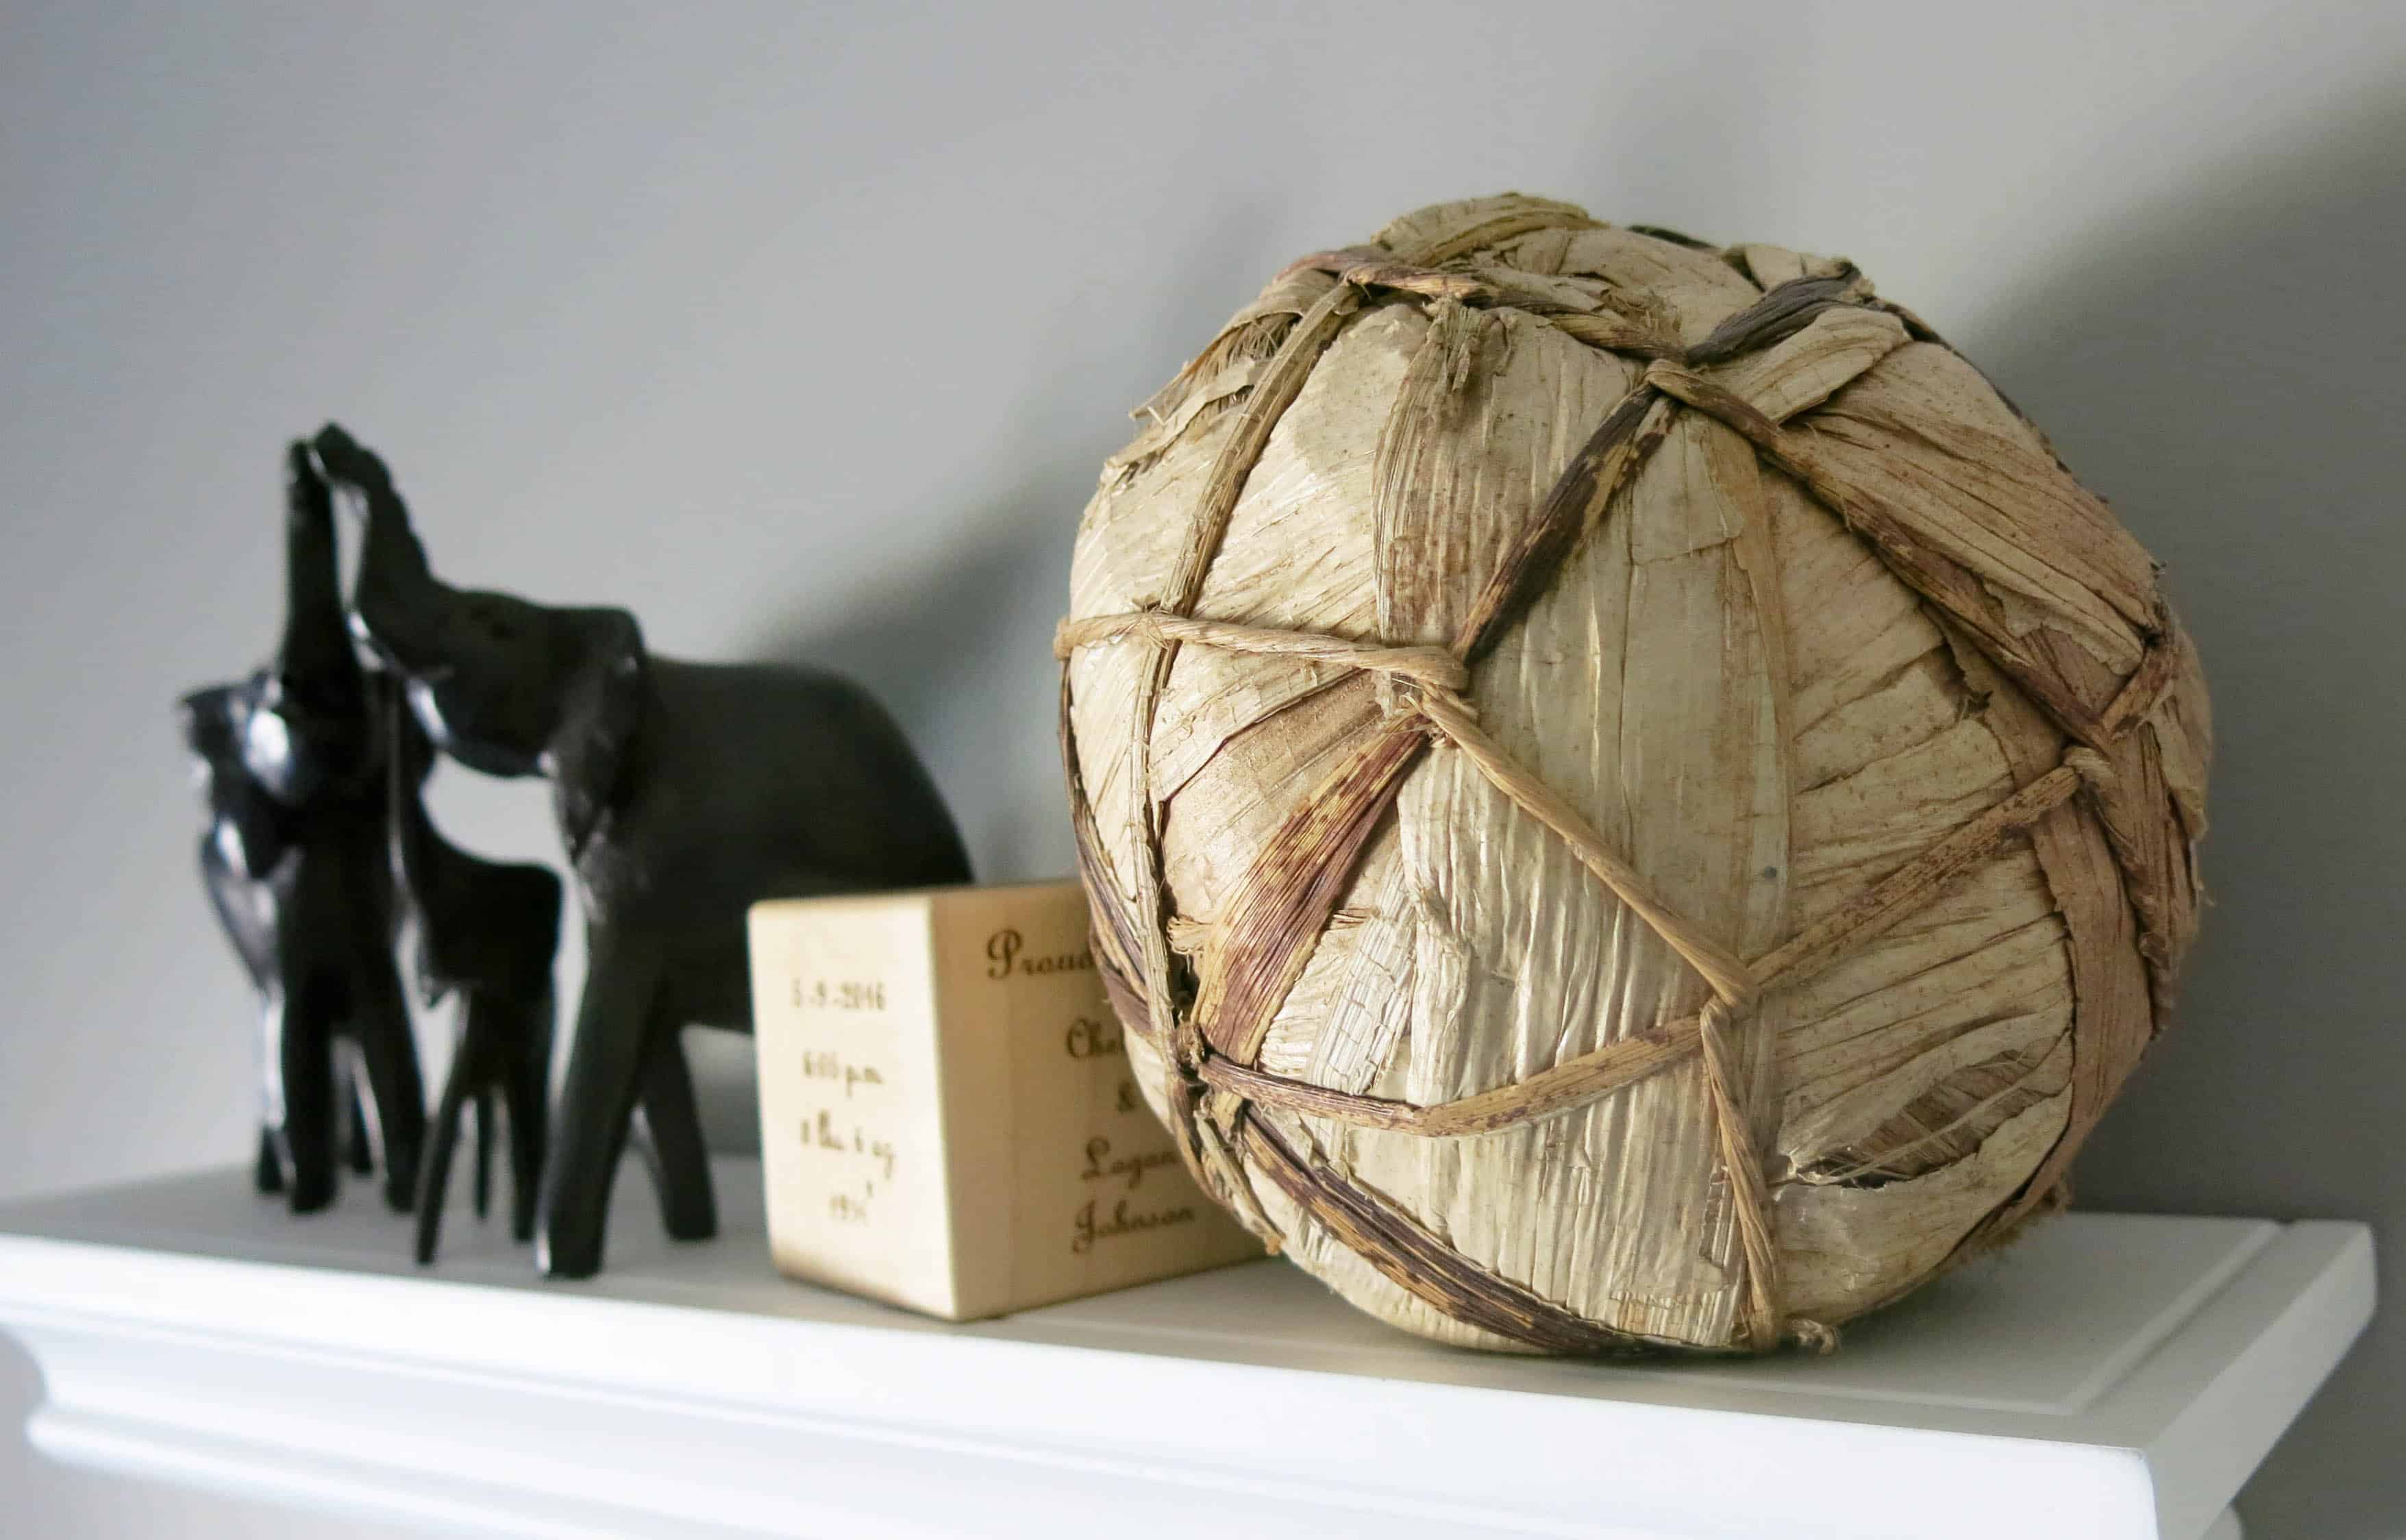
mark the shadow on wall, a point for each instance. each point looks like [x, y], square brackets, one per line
[960, 652]
[960, 648]
[2230, 367]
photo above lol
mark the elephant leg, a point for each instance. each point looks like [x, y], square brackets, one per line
[597, 1098]
[359, 1146]
[434, 1165]
[680, 1161]
[525, 1074]
[268, 1174]
[484, 1147]
[301, 1098]
[388, 1053]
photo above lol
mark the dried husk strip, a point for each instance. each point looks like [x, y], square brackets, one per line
[1629, 799]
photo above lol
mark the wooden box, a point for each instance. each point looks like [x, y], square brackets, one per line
[947, 1120]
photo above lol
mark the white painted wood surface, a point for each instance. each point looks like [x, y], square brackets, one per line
[2113, 1375]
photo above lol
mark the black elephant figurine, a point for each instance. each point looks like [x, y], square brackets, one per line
[487, 932]
[684, 792]
[298, 863]
[244, 839]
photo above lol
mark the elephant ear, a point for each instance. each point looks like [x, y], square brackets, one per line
[599, 710]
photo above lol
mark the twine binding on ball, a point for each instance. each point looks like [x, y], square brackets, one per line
[1212, 1039]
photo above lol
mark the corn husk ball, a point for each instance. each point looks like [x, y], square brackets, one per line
[1628, 799]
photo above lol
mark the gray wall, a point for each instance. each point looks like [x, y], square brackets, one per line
[803, 331]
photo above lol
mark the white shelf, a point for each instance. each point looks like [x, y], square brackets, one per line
[2114, 1376]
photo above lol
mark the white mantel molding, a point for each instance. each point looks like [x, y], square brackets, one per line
[2112, 1376]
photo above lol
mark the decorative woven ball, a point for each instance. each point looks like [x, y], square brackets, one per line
[1628, 798]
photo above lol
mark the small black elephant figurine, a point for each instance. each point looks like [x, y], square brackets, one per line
[486, 932]
[246, 838]
[298, 863]
[684, 792]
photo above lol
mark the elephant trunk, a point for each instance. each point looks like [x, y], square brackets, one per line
[315, 661]
[400, 604]
[400, 600]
